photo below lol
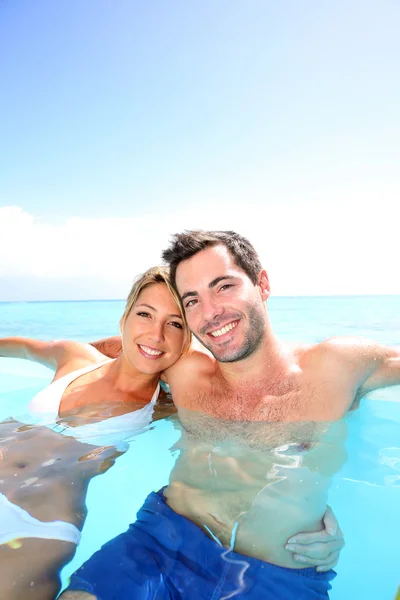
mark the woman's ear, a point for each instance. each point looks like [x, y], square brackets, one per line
[263, 284]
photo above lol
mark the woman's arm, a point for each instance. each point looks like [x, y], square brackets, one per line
[54, 354]
[320, 549]
[30, 349]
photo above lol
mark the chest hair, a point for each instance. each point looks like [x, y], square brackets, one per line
[283, 399]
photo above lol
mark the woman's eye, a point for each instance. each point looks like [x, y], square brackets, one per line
[176, 324]
[143, 314]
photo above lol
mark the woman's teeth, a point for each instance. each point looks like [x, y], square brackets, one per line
[150, 351]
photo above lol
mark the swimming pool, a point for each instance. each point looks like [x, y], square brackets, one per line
[365, 493]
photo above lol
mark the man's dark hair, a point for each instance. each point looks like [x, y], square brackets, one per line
[187, 244]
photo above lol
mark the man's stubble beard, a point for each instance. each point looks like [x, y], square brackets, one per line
[253, 338]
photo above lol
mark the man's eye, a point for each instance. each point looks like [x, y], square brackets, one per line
[226, 286]
[190, 303]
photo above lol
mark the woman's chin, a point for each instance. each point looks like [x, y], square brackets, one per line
[149, 366]
[152, 368]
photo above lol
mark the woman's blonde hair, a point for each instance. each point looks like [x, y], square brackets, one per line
[151, 276]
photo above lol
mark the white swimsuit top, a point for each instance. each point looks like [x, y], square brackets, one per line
[44, 407]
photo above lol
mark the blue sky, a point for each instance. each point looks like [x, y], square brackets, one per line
[122, 122]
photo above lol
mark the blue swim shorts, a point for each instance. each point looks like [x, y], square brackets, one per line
[164, 556]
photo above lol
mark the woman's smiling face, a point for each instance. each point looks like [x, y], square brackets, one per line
[153, 334]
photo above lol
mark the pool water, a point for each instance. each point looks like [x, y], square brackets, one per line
[365, 493]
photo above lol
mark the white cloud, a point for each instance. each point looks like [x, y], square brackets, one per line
[307, 249]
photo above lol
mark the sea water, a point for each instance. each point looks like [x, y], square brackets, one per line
[365, 494]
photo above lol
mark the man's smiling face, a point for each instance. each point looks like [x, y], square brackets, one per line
[224, 309]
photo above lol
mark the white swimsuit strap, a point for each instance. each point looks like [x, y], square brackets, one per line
[156, 394]
[70, 377]
[48, 400]
[101, 433]
[115, 430]
[130, 420]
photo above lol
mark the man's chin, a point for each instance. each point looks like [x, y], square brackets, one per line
[224, 354]
[229, 356]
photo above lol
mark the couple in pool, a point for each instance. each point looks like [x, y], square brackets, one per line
[262, 432]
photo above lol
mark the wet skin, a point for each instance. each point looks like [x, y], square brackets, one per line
[46, 474]
[263, 427]
[257, 481]
[262, 419]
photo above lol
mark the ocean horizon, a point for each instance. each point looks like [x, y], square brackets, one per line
[304, 318]
[372, 295]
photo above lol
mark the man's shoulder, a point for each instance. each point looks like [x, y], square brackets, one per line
[345, 345]
[341, 351]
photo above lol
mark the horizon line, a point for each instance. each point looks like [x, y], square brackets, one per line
[372, 295]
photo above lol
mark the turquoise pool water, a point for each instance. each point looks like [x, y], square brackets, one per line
[365, 493]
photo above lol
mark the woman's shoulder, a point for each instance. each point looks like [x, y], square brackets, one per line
[71, 356]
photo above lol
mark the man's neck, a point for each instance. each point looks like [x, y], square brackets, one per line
[268, 363]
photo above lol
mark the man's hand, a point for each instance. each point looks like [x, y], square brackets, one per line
[111, 346]
[319, 549]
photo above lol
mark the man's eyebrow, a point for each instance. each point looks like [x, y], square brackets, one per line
[212, 284]
[188, 295]
[155, 310]
[216, 281]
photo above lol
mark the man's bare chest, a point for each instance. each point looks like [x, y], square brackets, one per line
[291, 400]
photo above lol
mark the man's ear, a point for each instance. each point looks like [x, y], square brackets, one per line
[263, 284]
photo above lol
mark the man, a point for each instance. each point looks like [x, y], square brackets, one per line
[262, 438]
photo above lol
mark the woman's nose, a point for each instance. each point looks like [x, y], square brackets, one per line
[157, 332]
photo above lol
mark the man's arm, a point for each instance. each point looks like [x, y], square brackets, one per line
[364, 364]
[111, 346]
[384, 367]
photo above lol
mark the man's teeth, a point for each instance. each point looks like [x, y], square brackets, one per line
[224, 329]
[151, 351]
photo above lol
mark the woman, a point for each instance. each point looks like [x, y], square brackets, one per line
[92, 399]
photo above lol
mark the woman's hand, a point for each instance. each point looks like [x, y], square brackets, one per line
[319, 549]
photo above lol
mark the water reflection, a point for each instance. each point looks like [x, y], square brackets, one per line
[218, 529]
[390, 457]
[237, 492]
[43, 483]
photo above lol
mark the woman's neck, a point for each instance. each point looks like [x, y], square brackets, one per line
[125, 378]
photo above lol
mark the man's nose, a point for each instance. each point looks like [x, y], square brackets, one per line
[211, 309]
